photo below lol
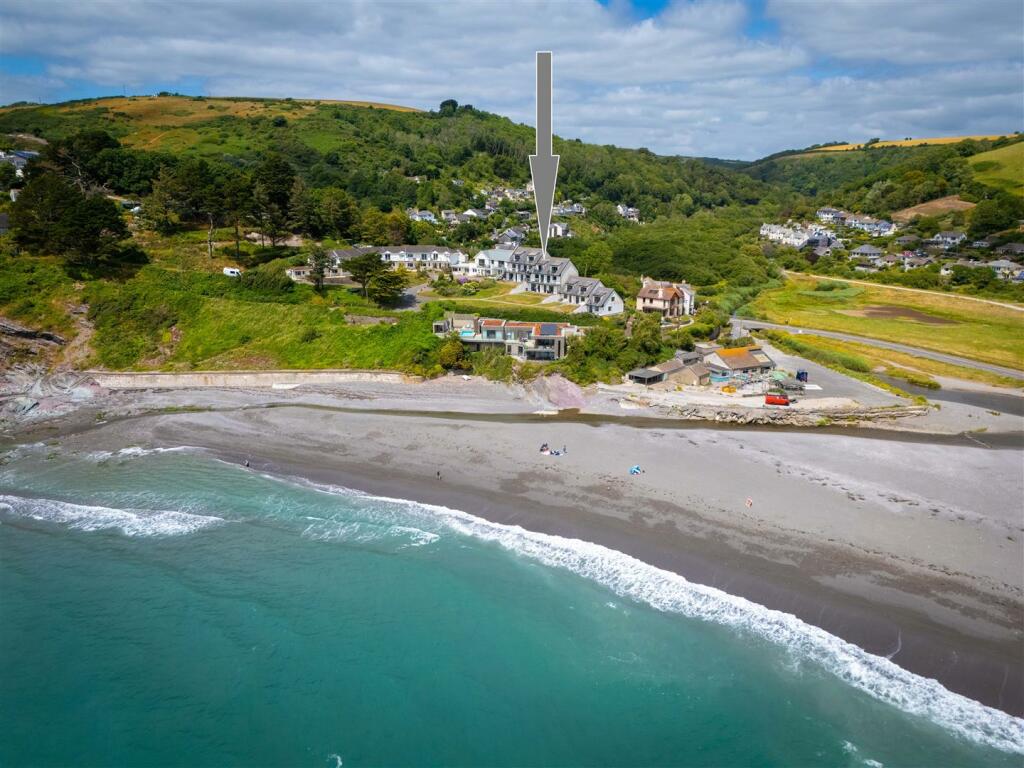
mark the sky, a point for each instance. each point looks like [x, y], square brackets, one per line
[719, 78]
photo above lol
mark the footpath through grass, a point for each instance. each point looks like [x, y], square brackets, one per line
[935, 321]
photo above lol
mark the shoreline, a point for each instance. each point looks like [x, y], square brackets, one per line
[940, 605]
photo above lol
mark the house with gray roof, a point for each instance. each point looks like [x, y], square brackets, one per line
[591, 295]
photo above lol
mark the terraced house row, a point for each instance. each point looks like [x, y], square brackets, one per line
[530, 268]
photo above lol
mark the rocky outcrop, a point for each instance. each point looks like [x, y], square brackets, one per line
[17, 331]
[792, 417]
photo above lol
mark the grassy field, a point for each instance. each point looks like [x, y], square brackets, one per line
[1002, 168]
[202, 125]
[938, 207]
[900, 365]
[935, 321]
[903, 143]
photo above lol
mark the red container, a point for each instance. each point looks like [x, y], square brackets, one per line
[774, 399]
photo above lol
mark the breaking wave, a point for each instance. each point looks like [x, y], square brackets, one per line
[131, 522]
[134, 452]
[666, 591]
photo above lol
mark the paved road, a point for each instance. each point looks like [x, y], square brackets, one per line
[926, 353]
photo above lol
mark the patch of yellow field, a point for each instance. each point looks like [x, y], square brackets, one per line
[182, 110]
[903, 143]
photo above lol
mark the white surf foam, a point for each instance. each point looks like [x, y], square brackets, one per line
[666, 591]
[135, 451]
[131, 522]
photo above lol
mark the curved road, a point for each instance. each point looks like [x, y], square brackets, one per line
[927, 353]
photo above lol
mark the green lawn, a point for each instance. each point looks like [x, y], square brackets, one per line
[970, 329]
[500, 296]
[1002, 168]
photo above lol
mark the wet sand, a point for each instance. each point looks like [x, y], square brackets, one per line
[907, 545]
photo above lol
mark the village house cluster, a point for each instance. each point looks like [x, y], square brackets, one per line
[531, 269]
[706, 364]
[912, 252]
[874, 227]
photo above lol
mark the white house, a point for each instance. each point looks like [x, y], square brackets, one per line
[426, 216]
[831, 215]
[591, 295]
[1006, 269]
[630, 214]
[949, 238]
[569, 208]
[421, 256]
[559, 229]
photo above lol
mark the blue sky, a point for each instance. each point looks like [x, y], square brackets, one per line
[726, 78]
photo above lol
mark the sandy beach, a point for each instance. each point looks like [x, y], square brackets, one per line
[909, 545]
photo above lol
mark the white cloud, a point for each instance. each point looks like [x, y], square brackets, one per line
[687, 81]
[905, 32]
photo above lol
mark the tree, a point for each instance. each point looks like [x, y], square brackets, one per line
[386, 287]
[237, 196]
[277, 177]
[451, 354]
[338, 212]
[302, 210]
[374, 227]
[595, 259]
[8, 176]
[319, 260]
[364, 268]
[91, 231]
[267, 214]
[40, 210]
[398, 228]
[51, 216]
[448, 107]
[995, 215]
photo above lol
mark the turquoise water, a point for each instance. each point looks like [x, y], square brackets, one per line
[165, 608]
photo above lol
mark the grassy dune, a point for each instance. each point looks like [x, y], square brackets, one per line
[1002, 168]
[936, 321]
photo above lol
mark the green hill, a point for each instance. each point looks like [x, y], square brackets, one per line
[886, 178]
[1002, 168]
[393, 157]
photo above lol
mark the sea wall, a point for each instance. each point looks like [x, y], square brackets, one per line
[242, 379]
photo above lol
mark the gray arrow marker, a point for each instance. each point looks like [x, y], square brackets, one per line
[544, 165]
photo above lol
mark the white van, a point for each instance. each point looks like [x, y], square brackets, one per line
[232, 271]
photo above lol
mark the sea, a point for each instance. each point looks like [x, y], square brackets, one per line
[163, 607]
